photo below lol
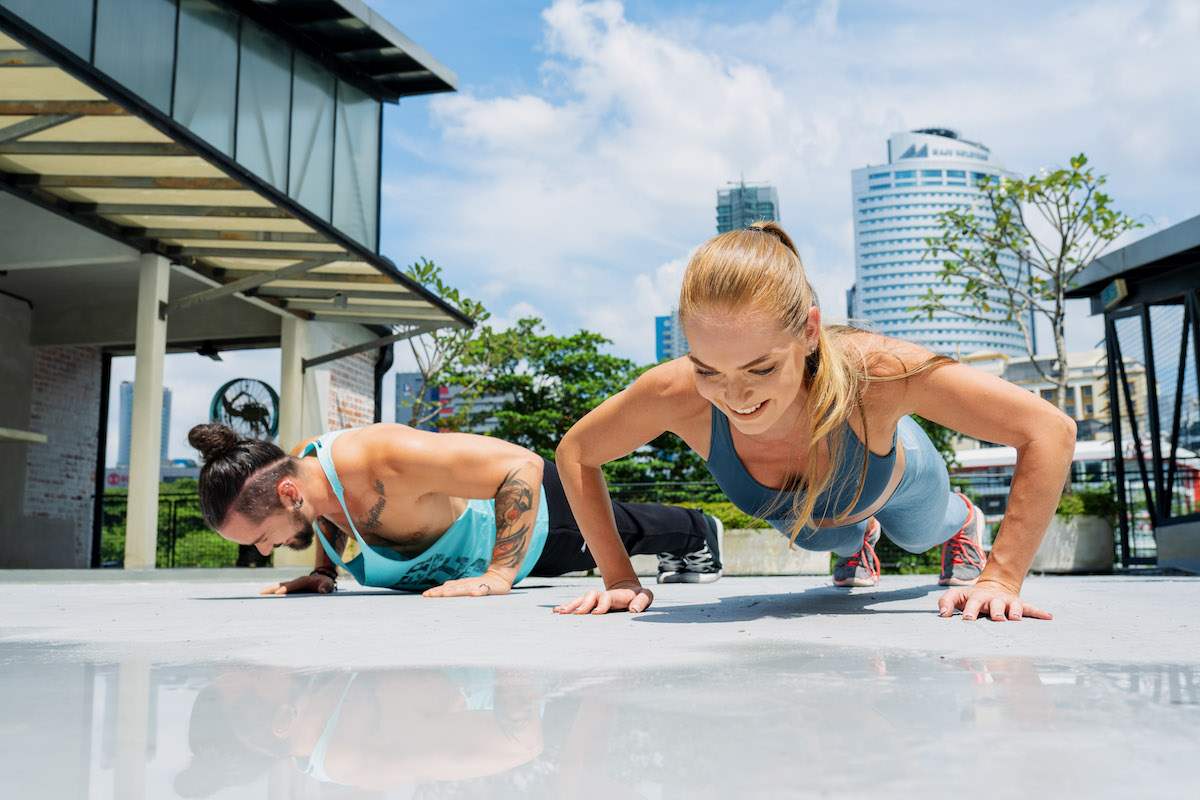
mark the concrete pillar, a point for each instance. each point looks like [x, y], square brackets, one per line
[291, 381]
[291, 407]
[133, 729]
[141, 521]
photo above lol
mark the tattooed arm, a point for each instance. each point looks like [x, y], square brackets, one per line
[470, 466]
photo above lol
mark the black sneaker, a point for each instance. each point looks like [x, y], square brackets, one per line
[699, 566]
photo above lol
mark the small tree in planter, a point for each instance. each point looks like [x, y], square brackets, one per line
[1080, 538]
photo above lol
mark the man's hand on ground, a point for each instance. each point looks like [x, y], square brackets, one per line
[488, 583]
[315, 583]
[631, 598]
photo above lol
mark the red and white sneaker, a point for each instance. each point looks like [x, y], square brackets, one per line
[862, 568]
[962, 554]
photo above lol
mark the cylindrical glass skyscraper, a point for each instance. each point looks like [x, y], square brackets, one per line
[895, 209]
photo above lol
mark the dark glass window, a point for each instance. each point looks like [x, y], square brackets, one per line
[135, 44]
[310, 173]
[907, 173]
[876, 175]
[356, 165]
[931, 173]
[955, 173]
[69, 22]
[264, 105]
[206, 73]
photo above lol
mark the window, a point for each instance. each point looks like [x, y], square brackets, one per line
[264, 105]
[356, 165]
[206, 72]
[310, 173]
[955, 173]
[876, 186]
[69, 22]
[931, 173]
[135, 44]
[907, 173]
[876, 175]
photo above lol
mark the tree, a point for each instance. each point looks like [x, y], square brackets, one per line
[438, 352]
[545, 383]
[1052, 224]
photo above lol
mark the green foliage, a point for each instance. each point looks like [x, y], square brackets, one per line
[732, 517]
[548, 382]
[1097, 502]
[437, 352]
[1053, 224]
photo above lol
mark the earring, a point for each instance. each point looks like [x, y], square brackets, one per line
[297, 504]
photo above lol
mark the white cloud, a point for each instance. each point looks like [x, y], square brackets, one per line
[577, 196]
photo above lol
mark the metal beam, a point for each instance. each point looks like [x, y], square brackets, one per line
[163, 210]
[32, 126]
[24, 58]
[251, 252]
[33, 108]
[242, 284]
[330, 293]
[374, 344]
[127, 182]
[155, 149]
[397, 312]
[348, 277]
[229, 235]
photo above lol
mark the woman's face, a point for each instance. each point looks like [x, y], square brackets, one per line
[749, 367]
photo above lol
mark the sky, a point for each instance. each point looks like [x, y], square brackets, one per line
[577, 165]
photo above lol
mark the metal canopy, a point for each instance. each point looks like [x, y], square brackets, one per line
[76, 144]
[354, 39]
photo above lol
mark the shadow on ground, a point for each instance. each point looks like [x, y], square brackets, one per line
[819, 600]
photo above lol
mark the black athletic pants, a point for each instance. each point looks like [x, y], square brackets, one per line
[644, 528]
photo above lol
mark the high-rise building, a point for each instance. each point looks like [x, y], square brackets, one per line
[126, 424]
[669, 341]
[743, 204]
[895, 209]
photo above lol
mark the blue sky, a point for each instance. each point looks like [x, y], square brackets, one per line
[577, 165]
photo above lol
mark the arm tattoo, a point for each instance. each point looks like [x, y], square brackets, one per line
[514, 500]
[373, 515]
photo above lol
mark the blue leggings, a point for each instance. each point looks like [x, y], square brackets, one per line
[921, 513]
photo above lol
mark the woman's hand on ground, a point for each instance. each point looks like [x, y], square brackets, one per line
[633, 598]
[990, 598]
[488, 583]
[316, 583]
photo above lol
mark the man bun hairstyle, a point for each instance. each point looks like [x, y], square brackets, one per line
[239, 474]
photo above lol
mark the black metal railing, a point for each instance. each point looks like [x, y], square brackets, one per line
[183, 538]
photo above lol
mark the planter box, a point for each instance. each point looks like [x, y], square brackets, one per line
[1075, 544]
[1179, 546]
[755, 552]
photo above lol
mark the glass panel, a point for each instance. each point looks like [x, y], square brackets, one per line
[264, 105]
[68, 22]
[310, 174]
[356, 165]
[135, 44]
[206, 74]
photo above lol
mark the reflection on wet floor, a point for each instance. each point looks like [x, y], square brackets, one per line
[766, 723]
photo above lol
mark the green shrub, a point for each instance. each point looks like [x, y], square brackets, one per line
[732, 517]
[1098, 502]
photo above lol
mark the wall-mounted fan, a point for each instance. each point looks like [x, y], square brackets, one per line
[249, 406]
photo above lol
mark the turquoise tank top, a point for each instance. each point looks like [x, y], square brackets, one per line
[463, 551]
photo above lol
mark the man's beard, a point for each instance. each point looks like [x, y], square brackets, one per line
[302, 538]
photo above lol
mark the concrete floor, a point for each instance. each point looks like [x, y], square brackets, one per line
[189, 684]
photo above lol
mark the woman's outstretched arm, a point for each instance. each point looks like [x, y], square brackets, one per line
[656, 402]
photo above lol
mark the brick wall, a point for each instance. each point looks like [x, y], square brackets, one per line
[60, 478]
[352, 391]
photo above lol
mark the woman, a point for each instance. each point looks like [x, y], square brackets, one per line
[808, 426]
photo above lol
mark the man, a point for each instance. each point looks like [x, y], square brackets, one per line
[448, 514]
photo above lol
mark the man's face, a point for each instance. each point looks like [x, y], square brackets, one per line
[287, 528]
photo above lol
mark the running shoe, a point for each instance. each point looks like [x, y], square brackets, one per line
[862, 568]
[962, 554]
[699, 566]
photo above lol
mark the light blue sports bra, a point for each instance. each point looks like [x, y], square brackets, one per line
[463, 551]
